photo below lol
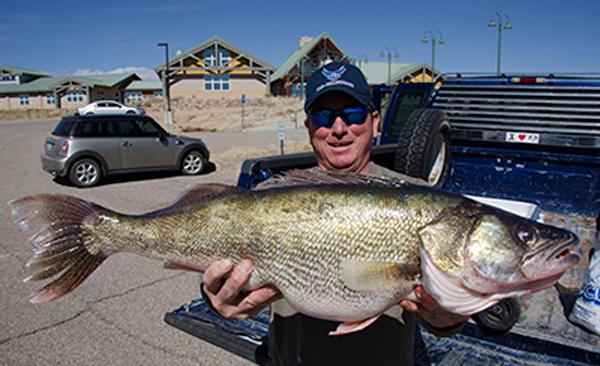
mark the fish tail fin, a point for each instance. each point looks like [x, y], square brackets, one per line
[65, 249]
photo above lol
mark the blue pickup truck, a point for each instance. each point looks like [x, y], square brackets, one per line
[508, 138]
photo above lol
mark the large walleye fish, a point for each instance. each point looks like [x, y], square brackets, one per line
[338, 247]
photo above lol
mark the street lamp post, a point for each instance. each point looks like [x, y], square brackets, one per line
[360, 59]
[169, 113]
[439, 40]
[506, 25]
[390, 52]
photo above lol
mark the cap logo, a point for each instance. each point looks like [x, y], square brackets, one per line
[333, 75]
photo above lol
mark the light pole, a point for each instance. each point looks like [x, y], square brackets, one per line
[300, 65]
[439, 40]
[168, 114]
[506, 25]
[360, 59]
[389, 51]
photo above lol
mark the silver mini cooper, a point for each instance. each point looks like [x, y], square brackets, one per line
[86, 148]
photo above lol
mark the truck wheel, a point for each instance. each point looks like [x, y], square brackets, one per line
[500, 318]
[85, 173]
[424, 147]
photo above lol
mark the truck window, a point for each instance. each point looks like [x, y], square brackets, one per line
[406, 104]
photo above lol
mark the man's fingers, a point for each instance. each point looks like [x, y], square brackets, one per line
[259, 298]
[214, 274]
[409, 305]
[236, 281]
[426, 300]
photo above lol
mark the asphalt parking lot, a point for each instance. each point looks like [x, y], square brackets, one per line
[116, 316]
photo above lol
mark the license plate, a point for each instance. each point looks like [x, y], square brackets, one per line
[522, 137]
[49, 145]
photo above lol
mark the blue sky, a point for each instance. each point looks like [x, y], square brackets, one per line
[65, 37]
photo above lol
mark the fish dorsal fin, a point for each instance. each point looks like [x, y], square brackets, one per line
[195, 195]
[444, 240]
[377, 276]
[316, 177]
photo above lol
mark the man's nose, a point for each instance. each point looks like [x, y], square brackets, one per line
[339, 127]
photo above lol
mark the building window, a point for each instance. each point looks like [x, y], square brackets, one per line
[50, 98]
[135, 96]
[158, 94]
[216, 82]
[209, 58]
[24, 99]
[74, 96]
[8, 77]
[224, 58]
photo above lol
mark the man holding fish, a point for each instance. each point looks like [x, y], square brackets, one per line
[341, 124]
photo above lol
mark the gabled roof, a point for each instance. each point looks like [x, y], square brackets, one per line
[23, 70]
[49, 83]
[145, 85]
[410, 69]
[376, 72]
[295, 57]
[210, 42]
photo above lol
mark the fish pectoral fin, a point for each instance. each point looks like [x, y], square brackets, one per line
[370, 276]
[182, 266]
[351, 327]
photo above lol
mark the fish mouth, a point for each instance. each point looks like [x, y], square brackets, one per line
[559, 259]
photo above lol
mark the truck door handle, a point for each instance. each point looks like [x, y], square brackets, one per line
[127, 144]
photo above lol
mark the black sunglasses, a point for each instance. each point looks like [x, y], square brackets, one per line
[325, 117]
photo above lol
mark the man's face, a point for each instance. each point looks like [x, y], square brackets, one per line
[341, 146]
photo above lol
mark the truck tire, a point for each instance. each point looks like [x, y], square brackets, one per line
[424, 147]
[498, 319]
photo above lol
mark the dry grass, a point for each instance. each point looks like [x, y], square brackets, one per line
[33, 114]
[216, 115]
[199, 115]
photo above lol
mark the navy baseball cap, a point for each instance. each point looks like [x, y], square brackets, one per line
[338, 76]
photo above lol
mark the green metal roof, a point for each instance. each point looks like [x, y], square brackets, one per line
[145, 85]
[208, 43]
[23, 70]
[293, 60]
[49, 83]
[376, 72]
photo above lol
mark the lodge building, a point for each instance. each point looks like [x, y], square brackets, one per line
[212, 69]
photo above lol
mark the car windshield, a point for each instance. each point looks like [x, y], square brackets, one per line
[63, 128]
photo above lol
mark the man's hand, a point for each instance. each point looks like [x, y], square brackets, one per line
[431, 311]
[223, 285]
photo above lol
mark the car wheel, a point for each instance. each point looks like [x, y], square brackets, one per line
[500, 318]
[424, 147]
[193, 163]
[130, 112]
[89, 113]
[85, 173]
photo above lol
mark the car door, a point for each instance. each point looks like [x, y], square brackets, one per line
[164, 145]
[140, 145]
[114, 108]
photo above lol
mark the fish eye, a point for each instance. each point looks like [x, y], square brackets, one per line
[526, 234]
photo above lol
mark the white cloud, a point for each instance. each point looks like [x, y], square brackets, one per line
[143, 72]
